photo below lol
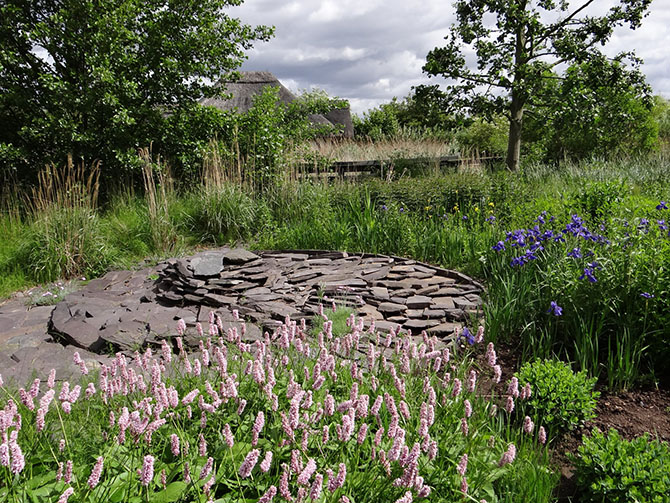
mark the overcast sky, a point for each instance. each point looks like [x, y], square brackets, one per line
[369, 51]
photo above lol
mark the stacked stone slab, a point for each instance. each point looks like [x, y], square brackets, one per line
[268, 287]
[126, 310]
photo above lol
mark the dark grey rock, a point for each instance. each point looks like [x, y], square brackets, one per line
[391, 308]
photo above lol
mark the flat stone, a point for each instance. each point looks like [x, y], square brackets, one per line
[463, 303]
[398, 300]
[419, 302]
[443, 329]
[443, 303]
[238, 256]
[448, 291]
[218, 300]
[376, 275]
[428, 290]
[390, 308]
[369, 311]
[125, 335]
[433, 313]
[455, 315]
[380, 292]
[414, 313]
[420, 324]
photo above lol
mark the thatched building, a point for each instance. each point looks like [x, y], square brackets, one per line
[251, 84]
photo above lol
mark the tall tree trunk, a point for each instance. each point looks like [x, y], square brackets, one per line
[518, 95]
[514, 141]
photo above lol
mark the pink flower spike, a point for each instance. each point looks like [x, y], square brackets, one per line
[317, 485]
[147, 472]
[267, 461]
[174, 444]
[95, 474]
[542, 435]
[269, 495]
[528, 426]
[66, 495]
[249, 463]
[462, 465]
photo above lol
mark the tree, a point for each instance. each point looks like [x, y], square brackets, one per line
[517, 53]
[99, 78]
[600, 107]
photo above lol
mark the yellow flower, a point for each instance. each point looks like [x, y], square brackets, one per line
[455, 207]
[476, 209]
[427, 208]
[491, 204]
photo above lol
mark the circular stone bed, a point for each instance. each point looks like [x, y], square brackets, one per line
[127, 310]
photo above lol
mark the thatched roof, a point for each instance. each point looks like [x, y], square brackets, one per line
[251, 84]
[244, 90]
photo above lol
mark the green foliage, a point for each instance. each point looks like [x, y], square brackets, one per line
[485, 136]
[561, 399]
[600, 108]
[516, 45]
[609, 468]
[221, 215]
[596, 199]
[99, 79]
[379, 123]
[661, 114]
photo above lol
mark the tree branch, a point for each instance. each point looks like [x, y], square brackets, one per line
[564, 22]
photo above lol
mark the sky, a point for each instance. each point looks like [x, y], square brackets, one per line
[368, 51]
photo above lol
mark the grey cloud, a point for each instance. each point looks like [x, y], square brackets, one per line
[371, 50]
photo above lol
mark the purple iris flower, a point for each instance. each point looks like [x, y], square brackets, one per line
[662, 206]
[467, 335]
[588, 274]
[647, 295]
[575, 253]
[499, 246]
[555, 309]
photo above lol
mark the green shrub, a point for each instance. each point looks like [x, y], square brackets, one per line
[609, 468]
[561, 399]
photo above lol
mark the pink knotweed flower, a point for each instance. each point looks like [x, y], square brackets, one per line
[317, 487]
[228, 436]
[267, 462]
[190, 397]
[457, 388]
[329, 405]
[202, 446]
[472, 381]
[464, 427]
[513, 387]
[528, 426]
[344, 499]
[374, 410]
[325, 435]
[462, 465]
[339, 479]
[404, 409]
[258, 426]
[542, 435]
[90, 391]
[66, 495]
[249, 462]
[491, 354]
[509, 404]
[34, 389]
[432, 450]
[4, 454]
[166, 351]
[187, 473]
[51, 380]
[26, 399]
[59, 473]
[207, 468]
[147, 471]
[406, 498]
[39, 419]
[61, 445]
[362, 432]
[181, 327]
[378, 436]
[95, 473]
[307, 472]
[468, 408]
[269, 495]
[497, 373]
[283, 483]
[526, 392]
[174, 444]
[67, 477]
[464, 486]
[508, 456]
[480, 335]
[163, 478]
[494, 410]
[241, 406]
[18, 461]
